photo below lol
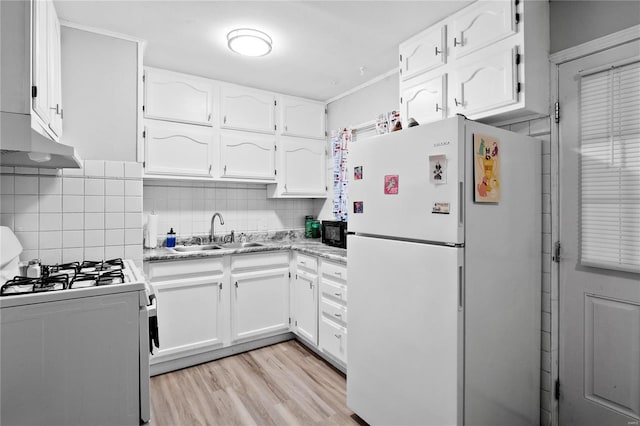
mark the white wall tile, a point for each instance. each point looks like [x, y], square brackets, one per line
[114, 237]
[133, 251]
[28, 240]
[26, 203]
[50, 204]
[114, 187]
[50, 185]
[73, 186]
[132, 236]
[71, 239]
[133, 220]
[114, 252]
[94, 204]
[114, 169]
[133, 188]
[94, 238]
[132, 204]
[50, 256]
[94, 220]
[26, 185]
[72, 203]
[26, 171]
[50, 172]
[94, 186]
[25, 222]
[94, 168]
[72, 254]
[7, 184]
[50, 240]
[114, 204]
[114, 220]
[6, 169]
[75, 172]
[72, 221]
[29, 255]
[50, 222]
[7, 203]
[132, 170]
[94, 253]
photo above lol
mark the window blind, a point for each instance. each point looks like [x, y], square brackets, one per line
[610, 168]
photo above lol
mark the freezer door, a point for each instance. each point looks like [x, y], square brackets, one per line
[405, 330]
[409, 183]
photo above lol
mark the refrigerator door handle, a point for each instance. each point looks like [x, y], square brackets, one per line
[460, 289]
[461, 203]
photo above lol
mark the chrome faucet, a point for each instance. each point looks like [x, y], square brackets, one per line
[212, 219]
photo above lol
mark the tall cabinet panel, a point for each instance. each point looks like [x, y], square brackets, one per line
[54, 97]
[176, 97]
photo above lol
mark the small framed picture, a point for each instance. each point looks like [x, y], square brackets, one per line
[486, 169]
[358, 207]
[391, 184]
[357, 173]
[438, 169]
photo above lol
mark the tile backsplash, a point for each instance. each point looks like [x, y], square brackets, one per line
[67, 215]
[187, 207]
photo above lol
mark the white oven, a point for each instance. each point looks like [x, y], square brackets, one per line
[76, 355]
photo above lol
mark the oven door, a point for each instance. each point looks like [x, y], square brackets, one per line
[148, 315]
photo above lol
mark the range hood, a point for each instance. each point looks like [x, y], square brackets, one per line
[21, 145]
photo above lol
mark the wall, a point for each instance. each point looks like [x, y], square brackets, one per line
[67, 215]
[187, 207]
[576, 22]
[99, 94]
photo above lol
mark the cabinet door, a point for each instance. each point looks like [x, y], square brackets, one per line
[247, 109]
[189, 316]
[40, 58]
[423, 52]
[302, 166]
[247, 156]
[333, 339]
[482, 24]
[486, 84]
[301, 117]
[177, 97]
[305, 293]
[425, 101]
[259, 303]
[177, 149]
[54, 76]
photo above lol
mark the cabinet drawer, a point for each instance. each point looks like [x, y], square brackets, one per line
[247, 262]
[156, 271]
[333, 291]
[334, 271]
[306, 262]
[333, 339]
[334, 311]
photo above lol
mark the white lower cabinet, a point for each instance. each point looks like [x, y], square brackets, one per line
[332, 338]
[192, 301]
[260, 295]
[304, 290]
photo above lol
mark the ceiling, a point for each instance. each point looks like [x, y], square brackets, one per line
[321, 49]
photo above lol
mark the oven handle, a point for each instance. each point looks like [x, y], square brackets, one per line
[152, 314]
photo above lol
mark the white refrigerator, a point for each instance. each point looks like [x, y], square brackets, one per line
[445, 274]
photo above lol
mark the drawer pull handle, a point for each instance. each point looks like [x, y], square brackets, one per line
[338, 336]
[220, 286]
[302, 262]
[236, 284]
[438, 51]
[456, 42]
[338, 315]
[337, 294]
[338, 273]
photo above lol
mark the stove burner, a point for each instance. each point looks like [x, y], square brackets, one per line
[104, 265]
[21, 285]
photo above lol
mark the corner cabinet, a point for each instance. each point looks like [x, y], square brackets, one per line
[259, 295]
[176, 97]
[301, 169]
[175, 149]
[492, 64]
[192, 297]
[302, 117]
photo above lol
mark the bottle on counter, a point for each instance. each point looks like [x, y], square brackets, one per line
[307, 226]
[34, 269]
[315, 229]
[171, 238]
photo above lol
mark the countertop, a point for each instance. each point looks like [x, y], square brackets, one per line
[312, 247]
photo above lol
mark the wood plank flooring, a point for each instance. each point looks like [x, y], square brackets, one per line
[282, 384]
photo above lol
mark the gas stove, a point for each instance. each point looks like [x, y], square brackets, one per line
[68, 276]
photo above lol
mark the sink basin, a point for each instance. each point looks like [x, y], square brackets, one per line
[197, 248]
[241, 245]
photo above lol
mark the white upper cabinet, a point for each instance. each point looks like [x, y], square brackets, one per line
[488, 83]
[425, 100]
[302, 117]
[301, 168]
[246, 155]
[54, 97]
[482, 24]
[423, 52]
[243, 108]
[177, 149]
[496, 64]
[178, 97]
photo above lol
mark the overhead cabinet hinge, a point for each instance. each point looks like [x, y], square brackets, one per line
[400, 99]
[275, 127]
[275, 103]
[34, 91]
[144, 134]
[556, 252]
[142, 108]
[557, 112]
[275, 172]
[289, 274]
[517, 59]
[556, 391]
[519, 88]
[400, 58]
[517, 18]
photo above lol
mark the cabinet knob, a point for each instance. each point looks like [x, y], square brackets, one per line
[338, 315]
[220, 286]
[438, 108]
[438, 51]
[337, 294]
[236, 284]
[338, 273]
[310, 285]
[224, 119]
[456, 42]
[225, 169]
[338, 336]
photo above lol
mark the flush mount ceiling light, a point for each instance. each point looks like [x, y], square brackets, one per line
[249, 42]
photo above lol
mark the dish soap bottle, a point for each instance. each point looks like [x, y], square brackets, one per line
[171, 238]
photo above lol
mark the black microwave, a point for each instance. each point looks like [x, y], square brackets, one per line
[334, 233]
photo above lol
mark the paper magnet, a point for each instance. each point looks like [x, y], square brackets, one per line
[486, 168]
[391, 183]
[440, 208]
[357, 173]
[438, 169]
[358, 206]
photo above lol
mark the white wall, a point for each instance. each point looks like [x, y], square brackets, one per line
[99, 95]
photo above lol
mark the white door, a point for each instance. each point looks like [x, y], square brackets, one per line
[599, 359]
[40, 59]
[55, 91]
[247, 155]
[306, 306]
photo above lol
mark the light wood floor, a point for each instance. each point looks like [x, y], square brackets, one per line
[283, 384]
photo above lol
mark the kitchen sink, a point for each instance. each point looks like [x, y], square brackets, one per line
[241, 245]
[197, 248]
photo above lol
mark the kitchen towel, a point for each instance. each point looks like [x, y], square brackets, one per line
[151, 236]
